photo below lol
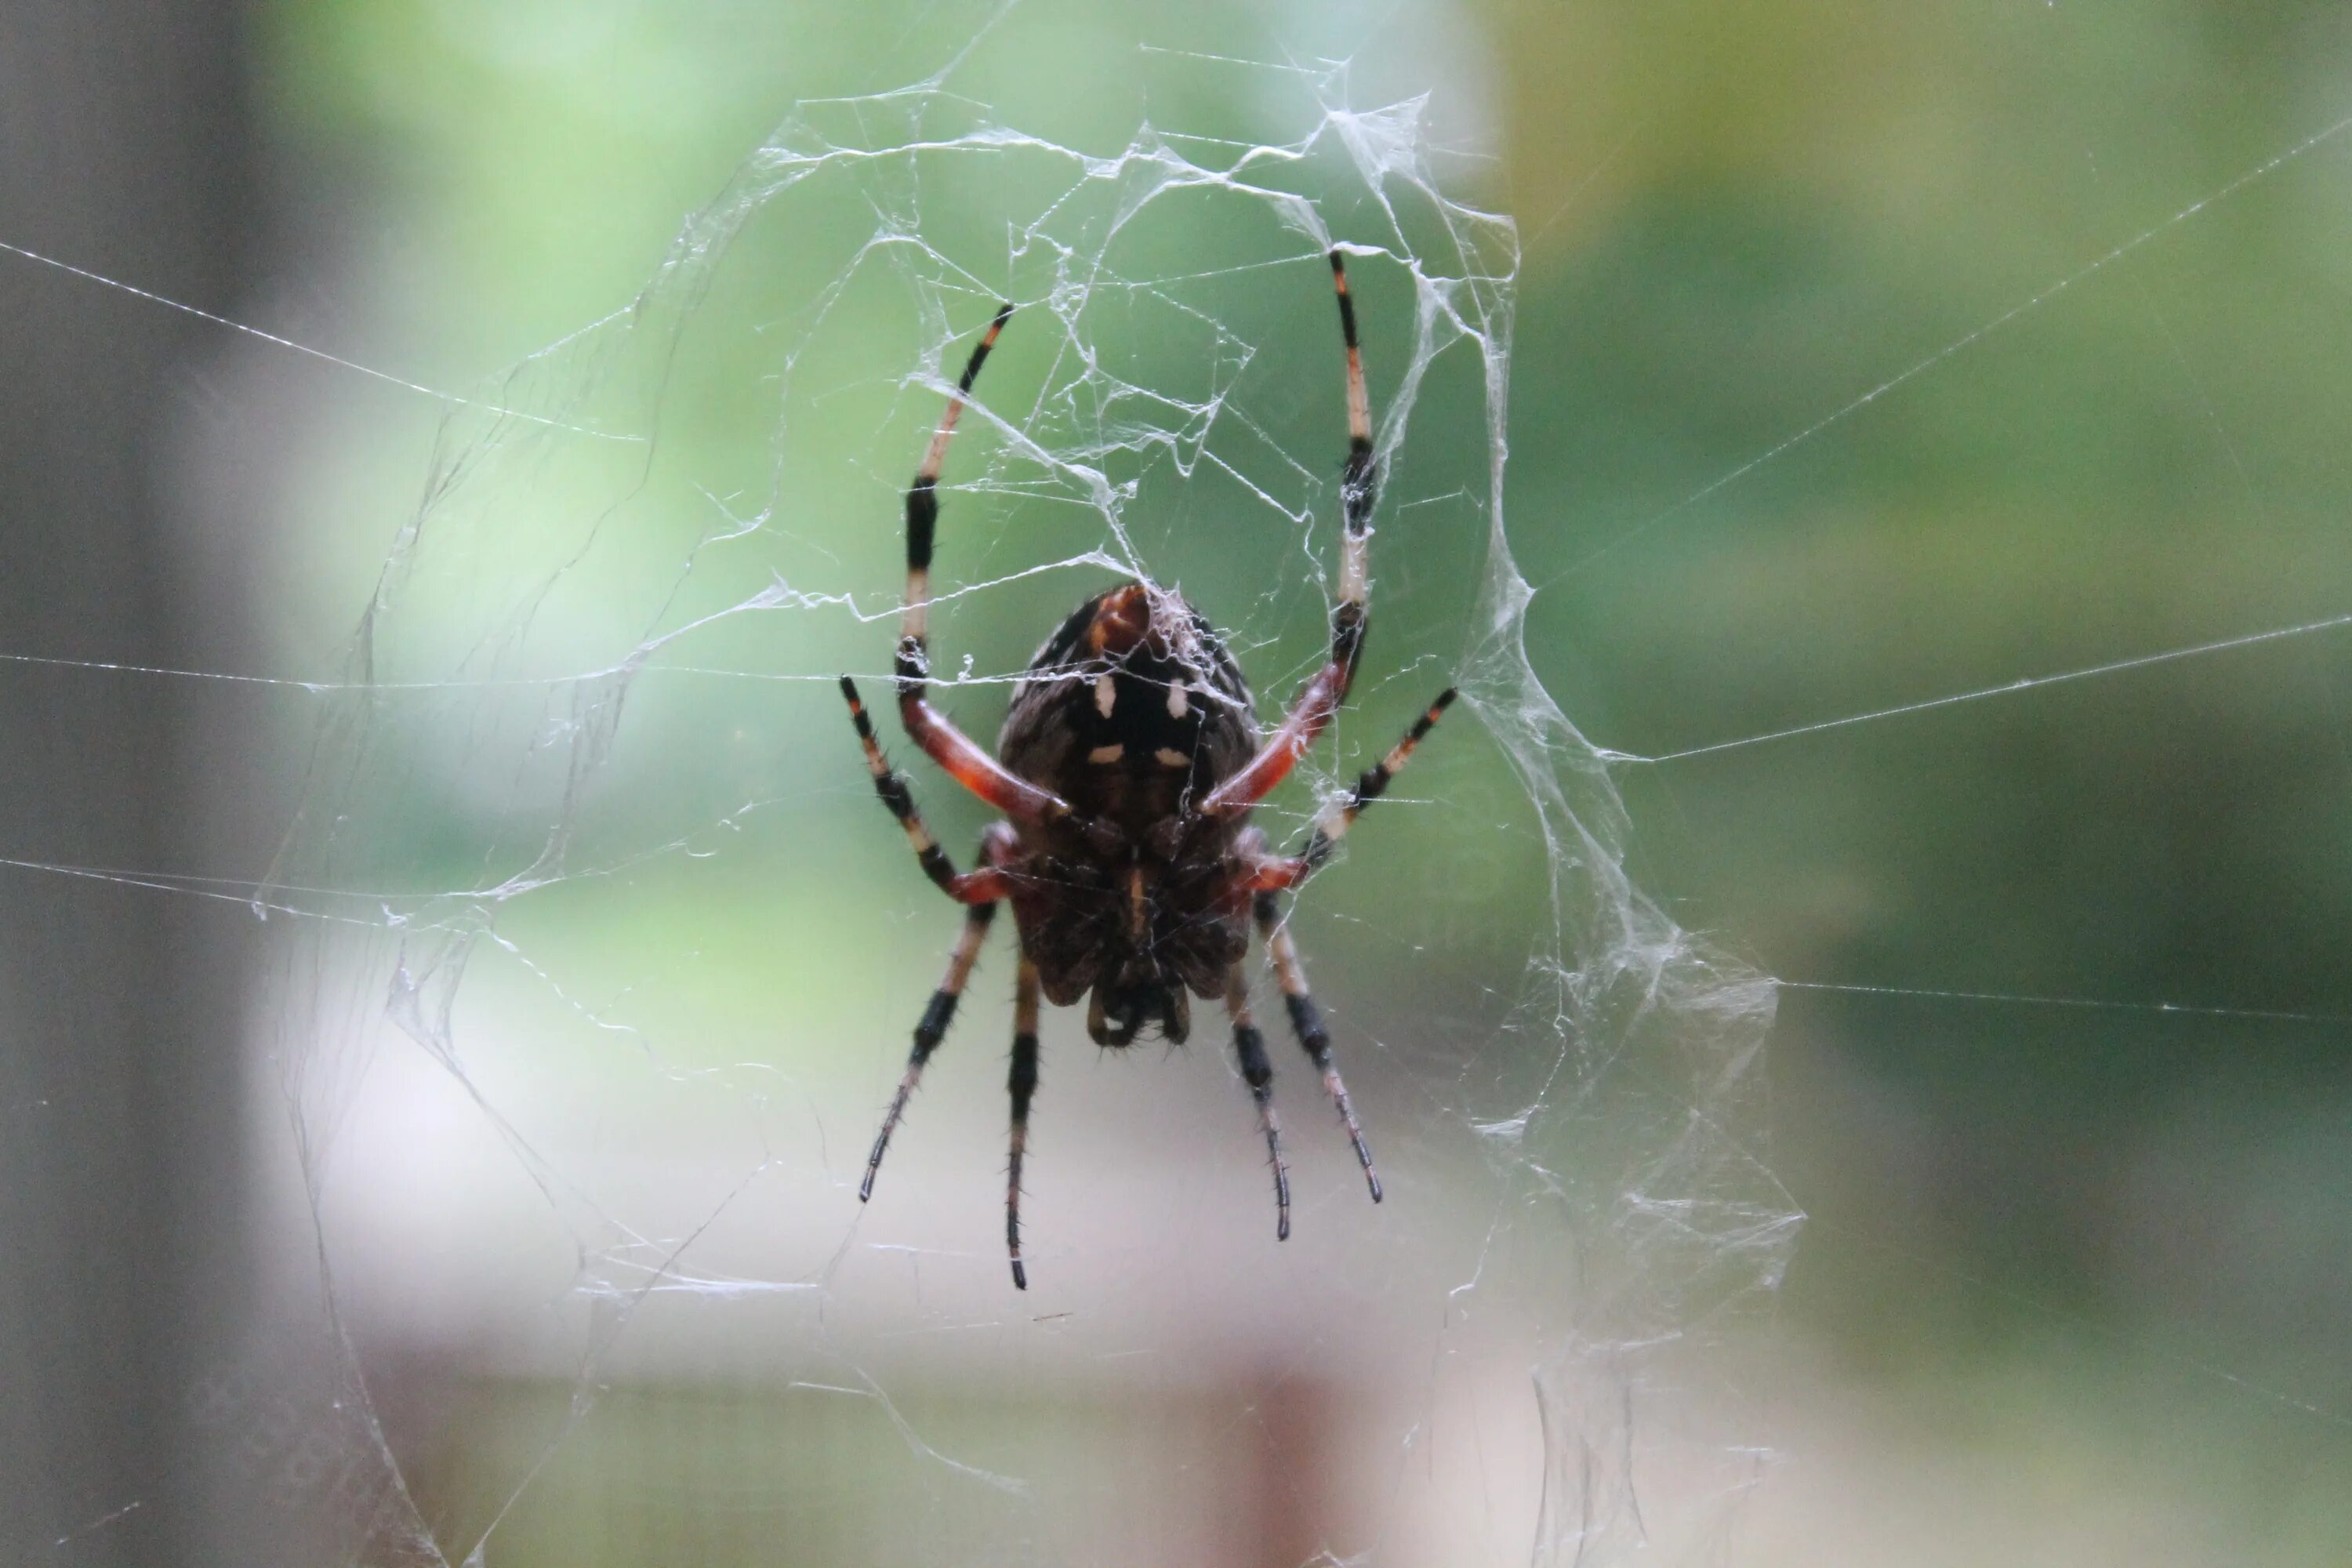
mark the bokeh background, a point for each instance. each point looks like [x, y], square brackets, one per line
[1864, 356]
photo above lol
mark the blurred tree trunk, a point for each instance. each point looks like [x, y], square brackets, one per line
[124, 148]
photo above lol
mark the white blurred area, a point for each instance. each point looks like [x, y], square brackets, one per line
[692, 1345]
[1175, 1386]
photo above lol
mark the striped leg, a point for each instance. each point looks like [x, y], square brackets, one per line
[1249, 1051]
[963, 758]
[1023, 1083]
[979, 887]
[1306, 1022]
[1359, 488]
[1333, 825]
[937, 1015]
[922, 521]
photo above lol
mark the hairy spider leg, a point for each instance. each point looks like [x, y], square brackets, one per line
[981, 887]
[1331, 827]
[1023, 1083]
[1249, 1053]
[929, 1031]
[963, 758]
[1306, 1022]
[1312, 711]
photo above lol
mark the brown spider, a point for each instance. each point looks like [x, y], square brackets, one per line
[1126, 769]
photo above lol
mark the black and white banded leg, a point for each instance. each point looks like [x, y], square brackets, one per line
[1249, 1054]
[922, 521]
[1306, 1022]
[1311, 712]
[1333, 824]
[933, 1029]
[1023, 1083]
[983, 886]
[964, 759]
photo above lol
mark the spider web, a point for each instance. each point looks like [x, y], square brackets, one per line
[592, 961]
[604, 646]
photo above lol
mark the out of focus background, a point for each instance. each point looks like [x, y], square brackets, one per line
[451, 965]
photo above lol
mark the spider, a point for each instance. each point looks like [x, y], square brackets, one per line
[1125, 772]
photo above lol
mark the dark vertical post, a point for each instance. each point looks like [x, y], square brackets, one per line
[124, 147]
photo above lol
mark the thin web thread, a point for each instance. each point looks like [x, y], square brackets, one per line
[2263, 170]
[2096, 1004]
[2332, 622]
[450, 398]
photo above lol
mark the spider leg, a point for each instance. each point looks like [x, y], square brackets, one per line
[1312, 711]
[980, 887]
[1249, 1052]
[964, 759]
[1306, 1022]
[1023, 1083]
[933, 1029]
[1271, 876]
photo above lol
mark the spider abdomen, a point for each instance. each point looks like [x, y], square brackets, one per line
[1130, 711]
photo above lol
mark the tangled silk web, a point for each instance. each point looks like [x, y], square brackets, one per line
[589, 734]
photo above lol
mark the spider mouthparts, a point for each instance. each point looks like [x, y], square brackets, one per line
[1123, 1010]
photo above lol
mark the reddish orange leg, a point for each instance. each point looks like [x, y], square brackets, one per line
[961, 758]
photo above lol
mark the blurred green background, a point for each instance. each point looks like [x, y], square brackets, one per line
[1864, 355]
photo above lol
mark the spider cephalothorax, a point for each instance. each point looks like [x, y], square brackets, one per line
[1125, 771]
